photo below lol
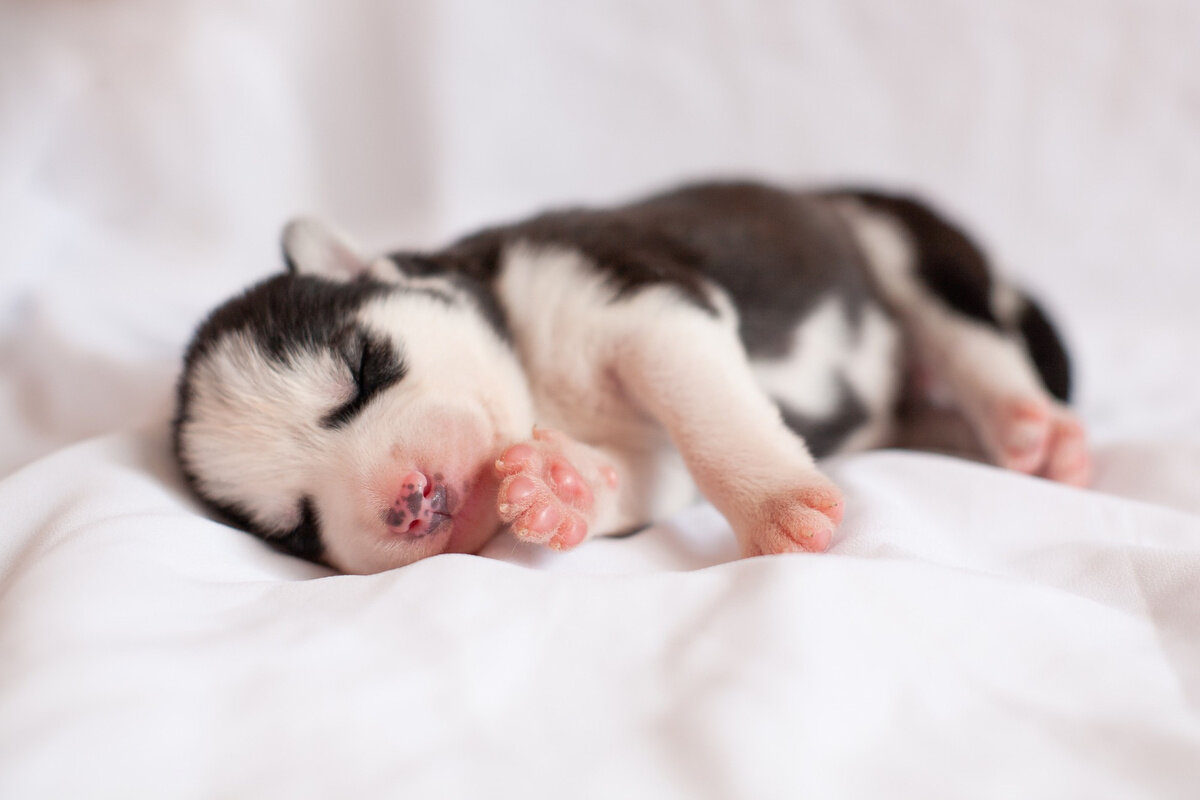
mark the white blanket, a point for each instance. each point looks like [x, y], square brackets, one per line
[972, 633]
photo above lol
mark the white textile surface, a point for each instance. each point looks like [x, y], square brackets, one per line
[972, 633]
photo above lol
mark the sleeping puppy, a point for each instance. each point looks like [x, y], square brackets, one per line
[582, 373]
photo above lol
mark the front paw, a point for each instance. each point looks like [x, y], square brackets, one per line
[800, 519]
[549, 488]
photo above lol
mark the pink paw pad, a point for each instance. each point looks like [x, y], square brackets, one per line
[542, 496]
[568, 484]
[520, 490]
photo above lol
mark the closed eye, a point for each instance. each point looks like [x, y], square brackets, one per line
[374, 365]
[355, 355]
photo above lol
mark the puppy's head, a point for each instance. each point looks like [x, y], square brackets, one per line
[350, 412]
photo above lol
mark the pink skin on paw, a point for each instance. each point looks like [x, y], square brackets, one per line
[520, 490]
[542, 519]
[1040, 437]
[571, 533]
[515, 459]
[543, 496]
[798, 521]
[827, 500]
[569, 485]
[1069, 461]
[1021, 434]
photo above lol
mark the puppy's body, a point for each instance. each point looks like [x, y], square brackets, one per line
[721, 336]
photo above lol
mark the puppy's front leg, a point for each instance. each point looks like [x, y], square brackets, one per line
[688, 369]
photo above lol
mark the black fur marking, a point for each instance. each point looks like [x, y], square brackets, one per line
[948, 262]
[1046, 349]
[469, 272]
[375, 365]
[777, 253]
[825, 435]
[630, 254]
[286, 315]
[305, 539]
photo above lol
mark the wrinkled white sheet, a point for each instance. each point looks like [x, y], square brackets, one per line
[972, 633]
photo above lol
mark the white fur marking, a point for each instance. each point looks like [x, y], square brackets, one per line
[826, 348]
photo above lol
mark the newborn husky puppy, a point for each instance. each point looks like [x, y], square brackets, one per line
[583, 372]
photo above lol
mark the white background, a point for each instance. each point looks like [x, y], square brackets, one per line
[149, 152]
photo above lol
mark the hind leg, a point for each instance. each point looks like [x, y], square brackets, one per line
[991, 379]
[968, 336]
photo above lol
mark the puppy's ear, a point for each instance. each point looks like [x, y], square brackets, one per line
[311, 247]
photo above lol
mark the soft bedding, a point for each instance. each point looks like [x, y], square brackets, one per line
[971, 633]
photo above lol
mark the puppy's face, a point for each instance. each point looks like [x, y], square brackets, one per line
[352, 415]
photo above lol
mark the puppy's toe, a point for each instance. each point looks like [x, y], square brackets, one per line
[798, 520]
[1069, 460]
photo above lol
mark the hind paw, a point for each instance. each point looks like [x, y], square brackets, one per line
[1020, 434]
[1067, 457]
[1040, 437]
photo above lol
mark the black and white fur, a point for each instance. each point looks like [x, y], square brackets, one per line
[368, 412]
